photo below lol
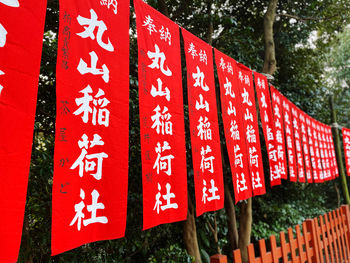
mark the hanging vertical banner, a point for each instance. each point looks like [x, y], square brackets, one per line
[262, 90]
[313, 158]
[305, 145]
[333, 156]
[279, 133]
[21, 36]
[92, 124]
[317, 152]
[292, 160]
[297, 139]
[324, 151]
[163, 151]
[251, 129]
[204, 126]
[346, 143]
[232, 116]
[329, 151]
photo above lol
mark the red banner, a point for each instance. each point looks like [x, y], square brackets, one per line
[92, 124]
[232, 116]
[251, 129]
[163, 150]
[346, 143]
[305, 145]
[288, 126]
[329, 151]
[297, 138]
[262, 90]
[203, 115]
[324, 151]
[21, 36]
[279, 131]
[313, 158]
[317, 152]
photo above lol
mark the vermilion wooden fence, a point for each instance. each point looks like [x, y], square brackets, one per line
[324, 239]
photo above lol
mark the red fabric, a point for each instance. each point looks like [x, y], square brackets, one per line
[279, 131]
[324, 151]
[311, 143]
[232, 116]
[262, 90]
[21, 34]
[305, 145]
[346, 143]
[251, 129]
[329, 151]
[203, 115]
[320, 171]
[163, 151]
[288, 126]
[297, 138]
[92, 124]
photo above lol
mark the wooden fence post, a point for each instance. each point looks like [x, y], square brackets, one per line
[218, 258]
[237, 258]
[314, 243]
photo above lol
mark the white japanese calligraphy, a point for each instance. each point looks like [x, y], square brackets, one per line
[161, 121]
[148, 22]
[83, 160]
[89, 25]
[78, 208]
[159, 90]
[163, 163]
[84, 69]
[99, 112]
[199, 79]
[228, 88]
[204, 130]
[207, 162]
[155, 57]
[202, 105]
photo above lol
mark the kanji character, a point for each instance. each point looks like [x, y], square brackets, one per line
[228, 88]
[165, 35]
[155, 57]
[99, 112]
[199, 79]
[163, 162]
[192, 50]
[161, 121]
[204, 130]
[84, 69]
[159, 90]
[213, 191]
[207, 162]
[203, 56]
[83, 160]
[202, 105]
[148, 22]
[89, 25]
[245, 96]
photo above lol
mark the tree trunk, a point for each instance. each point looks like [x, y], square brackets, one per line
[210, 26]
[232, 231]
[270, 56]
[245, 227]
[163, 8]
[190, 234]
[337, 146]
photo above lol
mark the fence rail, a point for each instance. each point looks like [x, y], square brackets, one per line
[324, 239]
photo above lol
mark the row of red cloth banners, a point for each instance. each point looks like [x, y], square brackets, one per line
[92, 124]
